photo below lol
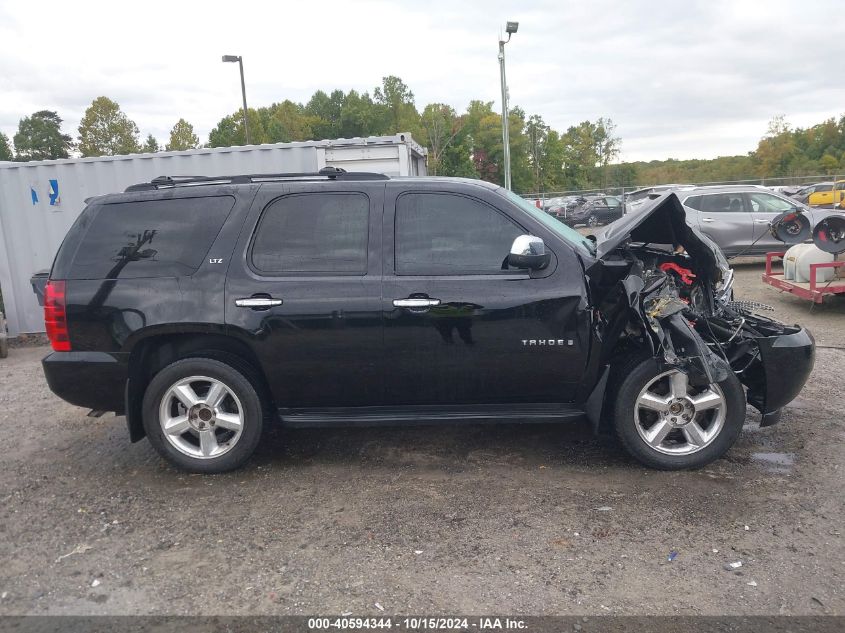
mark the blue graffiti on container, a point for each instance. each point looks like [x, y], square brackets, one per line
[54, 193]
[34, 195]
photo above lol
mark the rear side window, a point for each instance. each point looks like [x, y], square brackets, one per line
[313, 232]
[150, 238]
[722, 203]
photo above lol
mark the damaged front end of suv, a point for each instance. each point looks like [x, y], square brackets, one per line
[660, 287]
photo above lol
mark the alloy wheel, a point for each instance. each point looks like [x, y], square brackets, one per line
[675, 418]
[201, 417]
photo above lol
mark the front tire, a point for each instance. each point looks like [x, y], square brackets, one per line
[666, 423]
[592, 221]
[203, 415]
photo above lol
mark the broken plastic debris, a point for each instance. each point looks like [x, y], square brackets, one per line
[715, 551]
[95, 582]
[3, 596]
[346, 614]
[379, 607]
[747, 528]
[752, 583]
[672, 556]
[732, 566]
[604, 509]
[79, 549]
[418, 552]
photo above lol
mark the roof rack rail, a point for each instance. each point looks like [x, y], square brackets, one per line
[328, 173]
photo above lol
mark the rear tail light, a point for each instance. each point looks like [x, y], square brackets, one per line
[55, 316]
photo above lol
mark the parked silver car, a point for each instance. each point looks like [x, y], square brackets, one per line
[737, 217]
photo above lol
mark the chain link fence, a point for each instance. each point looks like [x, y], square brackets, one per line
[784, 184]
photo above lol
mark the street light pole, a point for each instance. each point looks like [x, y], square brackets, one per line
[240, 60]
[510, 29]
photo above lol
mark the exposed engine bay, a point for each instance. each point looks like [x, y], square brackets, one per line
[678, 304]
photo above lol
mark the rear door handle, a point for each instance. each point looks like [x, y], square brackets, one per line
[258, 302]
[758, 221]
[416, 303]
[707, 220]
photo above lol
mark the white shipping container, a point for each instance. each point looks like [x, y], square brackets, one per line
[40, 200]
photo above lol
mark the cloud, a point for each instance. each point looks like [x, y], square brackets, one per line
[693, 79]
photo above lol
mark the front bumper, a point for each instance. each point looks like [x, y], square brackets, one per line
[786, 361]
[94, 380]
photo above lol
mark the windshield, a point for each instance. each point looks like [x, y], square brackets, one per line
[570, 235]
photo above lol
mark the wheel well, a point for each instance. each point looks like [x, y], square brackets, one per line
[153, 354]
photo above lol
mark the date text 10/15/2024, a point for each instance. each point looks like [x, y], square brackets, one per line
[416, 623]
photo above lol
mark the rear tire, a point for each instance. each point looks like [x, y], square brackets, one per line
[592, 221]
[665, 423]
[203, 415]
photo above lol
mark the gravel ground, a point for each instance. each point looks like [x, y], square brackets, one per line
[511, 519]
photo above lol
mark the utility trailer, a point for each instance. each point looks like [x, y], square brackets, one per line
[813, 290]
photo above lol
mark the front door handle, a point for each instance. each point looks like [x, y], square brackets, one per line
[416, 303]
[758, 221]
[258, 302]
[707, 220]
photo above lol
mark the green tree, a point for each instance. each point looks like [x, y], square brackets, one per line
[397, 103]
[360, 116]
[150, 145]
[537, 133]
[182, 137]
[106, 131]
[551, 162]
[776, 149]
[229, 131]
[607, 144]
[484, 130]
[829, 164]
[327, 112]
[5, 148]
[40, 137]
[288, 121]
[442, 126]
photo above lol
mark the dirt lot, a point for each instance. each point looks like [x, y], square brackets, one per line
[510, 519]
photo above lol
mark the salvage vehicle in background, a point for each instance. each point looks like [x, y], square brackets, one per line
[829, 197]
[205, 309]
[802, 194]
[595, 210]
[737, 217]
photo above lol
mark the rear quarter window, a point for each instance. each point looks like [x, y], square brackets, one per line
[693, 202]
[148, 238]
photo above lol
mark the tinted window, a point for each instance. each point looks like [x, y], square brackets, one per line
[150, 238]
[694, 202]
[819, 188]
[314, 232]
[722, 203]
[442, 234]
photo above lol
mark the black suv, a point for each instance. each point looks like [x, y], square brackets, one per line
[204, 309]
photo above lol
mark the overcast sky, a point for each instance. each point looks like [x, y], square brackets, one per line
[681, 79]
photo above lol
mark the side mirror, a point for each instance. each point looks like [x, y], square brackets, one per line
[529, 252]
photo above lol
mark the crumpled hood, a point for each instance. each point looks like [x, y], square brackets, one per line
[662, 221]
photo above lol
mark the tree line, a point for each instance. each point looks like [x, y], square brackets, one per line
[467, 143]
[783, 152]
